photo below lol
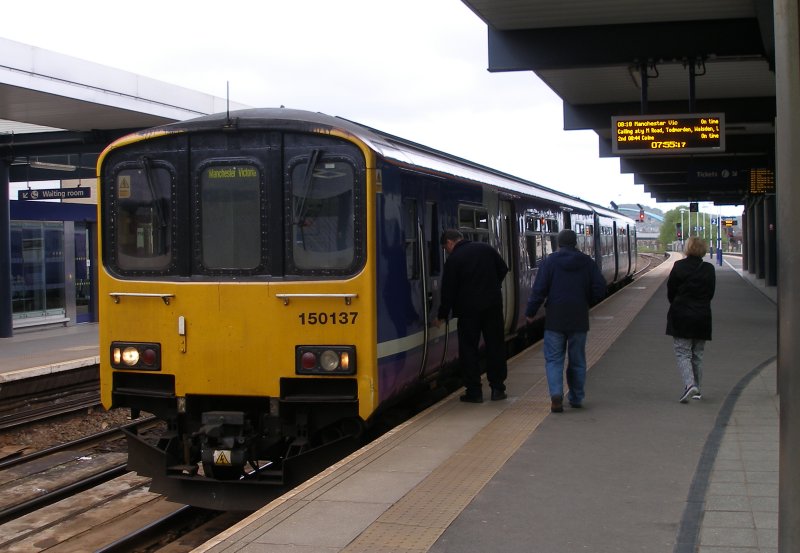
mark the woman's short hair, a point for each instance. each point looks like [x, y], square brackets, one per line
[695, 246]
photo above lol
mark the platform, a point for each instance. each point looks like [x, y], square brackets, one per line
[36, 352]
[634, 471]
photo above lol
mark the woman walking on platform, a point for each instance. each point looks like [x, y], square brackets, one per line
[690, 287]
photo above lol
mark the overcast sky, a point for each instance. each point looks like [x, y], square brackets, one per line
[413, 68]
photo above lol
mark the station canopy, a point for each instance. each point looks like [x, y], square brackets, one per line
[57, 112]
[611, 60]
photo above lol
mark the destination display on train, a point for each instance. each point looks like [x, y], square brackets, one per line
[668, 134]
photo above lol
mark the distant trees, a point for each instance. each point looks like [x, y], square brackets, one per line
[673, 229]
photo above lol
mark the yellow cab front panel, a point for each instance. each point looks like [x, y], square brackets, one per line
[236, 263]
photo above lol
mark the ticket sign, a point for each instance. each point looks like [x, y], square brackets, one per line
[668, 134]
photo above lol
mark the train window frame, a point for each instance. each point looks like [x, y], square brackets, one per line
[116, 190]
[199, 226]
[324, 154]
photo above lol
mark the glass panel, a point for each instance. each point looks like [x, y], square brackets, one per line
[531, 223]
[481, 219]
[550, 244]
[143, 221]
[323, 212]
[230, 204]
[466, 218]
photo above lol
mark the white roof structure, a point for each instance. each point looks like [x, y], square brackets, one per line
[43, 90]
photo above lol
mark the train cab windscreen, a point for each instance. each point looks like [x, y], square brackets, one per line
[322, 215]
[142, 216]
[252, 210]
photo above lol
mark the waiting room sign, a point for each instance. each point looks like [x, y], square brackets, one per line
[55, 193]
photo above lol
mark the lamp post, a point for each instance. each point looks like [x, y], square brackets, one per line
[683, 210]
[704, 226]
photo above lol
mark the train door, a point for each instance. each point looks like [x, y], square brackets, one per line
[628, 250]
[435, 342]
[423, 268]
[505, 245]
[616, 243]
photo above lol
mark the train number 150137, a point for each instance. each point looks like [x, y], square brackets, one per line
[332, 318]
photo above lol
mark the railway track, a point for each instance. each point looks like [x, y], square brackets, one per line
[35, 399]
[79, 496]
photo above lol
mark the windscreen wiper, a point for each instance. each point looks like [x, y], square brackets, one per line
[308, 181]
[144, 161]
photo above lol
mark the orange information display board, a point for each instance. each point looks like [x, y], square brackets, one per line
[668, 134]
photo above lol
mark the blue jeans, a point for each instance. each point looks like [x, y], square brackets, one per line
[557, 345]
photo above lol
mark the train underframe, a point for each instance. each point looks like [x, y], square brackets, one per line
[235, 452]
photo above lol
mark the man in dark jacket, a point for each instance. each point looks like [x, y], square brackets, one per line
[471, 289]
[570, 282]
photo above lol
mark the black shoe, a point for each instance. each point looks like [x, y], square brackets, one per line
[497, 395]
[471, 399]
[556, 404]
[575, 405]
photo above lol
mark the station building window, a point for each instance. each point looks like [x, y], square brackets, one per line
[53, 245]
[37, 269]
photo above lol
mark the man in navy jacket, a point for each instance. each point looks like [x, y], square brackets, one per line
[471, 289]
[569, 282]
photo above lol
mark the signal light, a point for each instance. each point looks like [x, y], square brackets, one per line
[641, 215]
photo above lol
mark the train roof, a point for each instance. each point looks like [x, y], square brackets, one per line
[392, 148]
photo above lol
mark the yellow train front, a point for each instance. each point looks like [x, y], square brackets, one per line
[237, 298]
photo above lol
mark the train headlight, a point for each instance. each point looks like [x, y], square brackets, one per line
[134, 355]
[130, 356]
[331, 360]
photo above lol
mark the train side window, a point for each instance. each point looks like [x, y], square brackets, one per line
[530, 247]
[411, 244]
[606, 241]
[473, 222]
[322, 214]
[589, 233]
[550, 244]
[578, 228]
[142, 204]
[230, 217]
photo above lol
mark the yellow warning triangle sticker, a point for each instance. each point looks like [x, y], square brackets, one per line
[221, 458]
